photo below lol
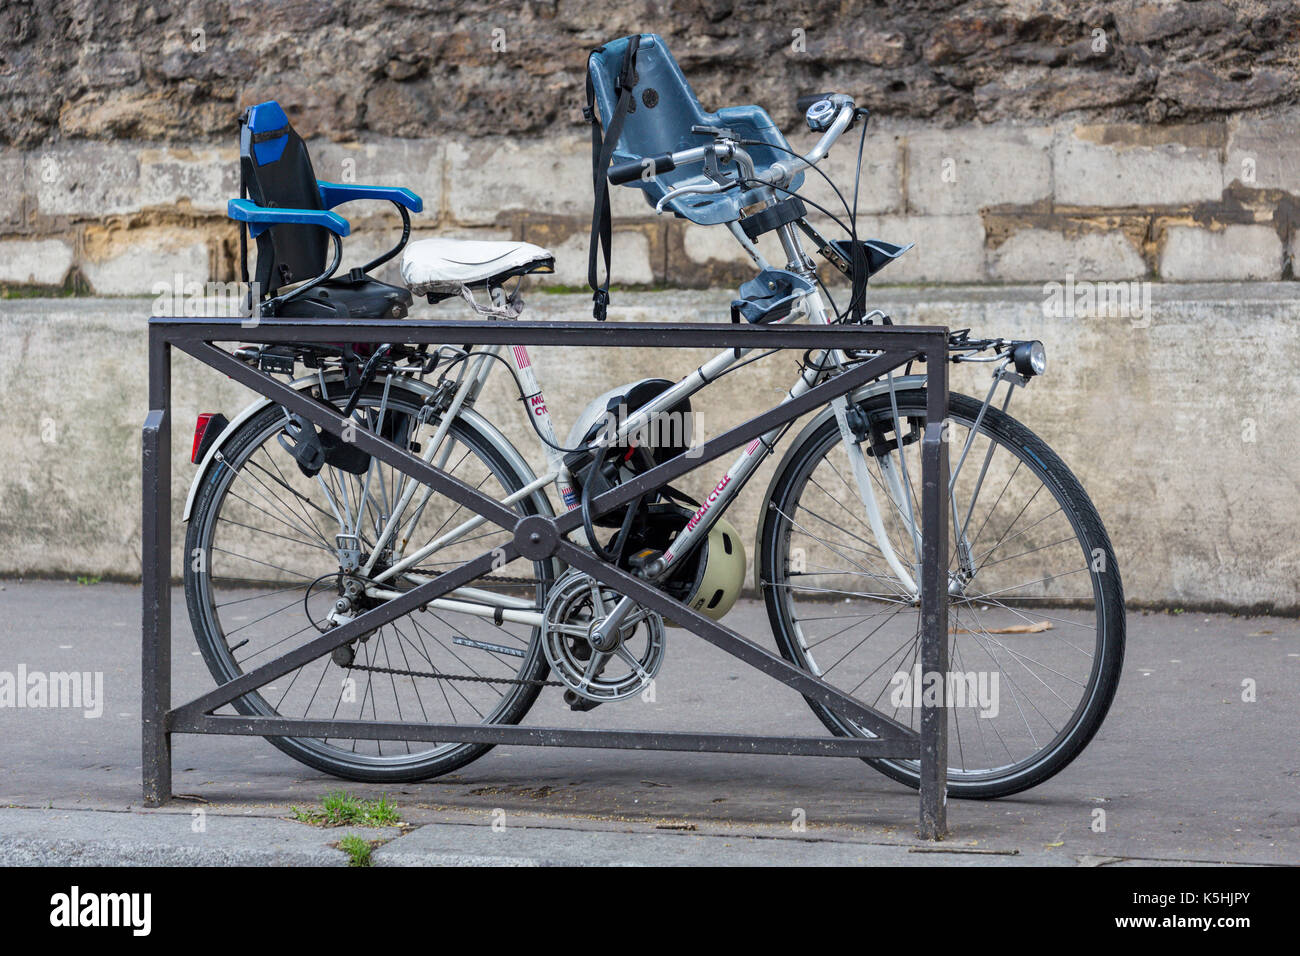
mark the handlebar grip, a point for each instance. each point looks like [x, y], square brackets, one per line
[804, 102]
[633, 169]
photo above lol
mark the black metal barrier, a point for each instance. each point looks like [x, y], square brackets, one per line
[537, 537]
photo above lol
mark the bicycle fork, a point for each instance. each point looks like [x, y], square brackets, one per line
[858, 465]
[897, 487]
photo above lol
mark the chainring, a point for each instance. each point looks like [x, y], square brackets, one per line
[576, 606]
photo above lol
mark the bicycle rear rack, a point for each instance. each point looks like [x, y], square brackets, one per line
[537, 537]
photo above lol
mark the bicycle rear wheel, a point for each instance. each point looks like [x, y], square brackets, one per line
[1036, 616]
[264, 569]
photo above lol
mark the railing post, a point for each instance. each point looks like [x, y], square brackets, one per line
[155, 561]
[934, 600]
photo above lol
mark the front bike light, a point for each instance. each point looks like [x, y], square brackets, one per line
[1030, 358]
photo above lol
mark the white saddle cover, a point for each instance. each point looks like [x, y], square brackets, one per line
[444, 265]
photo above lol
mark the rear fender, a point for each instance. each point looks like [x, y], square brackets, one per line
[206, 467]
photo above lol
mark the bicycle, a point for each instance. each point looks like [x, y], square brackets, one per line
[294, 532]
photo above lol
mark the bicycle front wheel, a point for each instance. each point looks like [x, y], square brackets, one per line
[1036, 614]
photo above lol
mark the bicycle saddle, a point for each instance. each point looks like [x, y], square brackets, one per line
[442, 266]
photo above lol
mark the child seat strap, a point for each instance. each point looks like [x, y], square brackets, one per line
[603, 142]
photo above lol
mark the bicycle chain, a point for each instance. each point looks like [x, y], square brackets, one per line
[498, 578]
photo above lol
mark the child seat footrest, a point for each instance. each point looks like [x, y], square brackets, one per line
[769, 296]
[878, 254]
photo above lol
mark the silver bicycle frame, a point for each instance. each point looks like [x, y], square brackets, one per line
[488, 604]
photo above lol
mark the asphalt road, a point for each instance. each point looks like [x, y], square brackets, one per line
[1185, 770]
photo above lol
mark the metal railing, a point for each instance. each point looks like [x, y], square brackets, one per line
[536, 537]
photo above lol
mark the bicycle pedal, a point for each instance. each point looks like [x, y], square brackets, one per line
[644, 559]
[578, 702]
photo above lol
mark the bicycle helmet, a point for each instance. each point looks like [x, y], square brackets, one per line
[718, 574]
[667, 435]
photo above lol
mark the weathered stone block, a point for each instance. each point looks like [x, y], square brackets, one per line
[1144, 22]
[710, 243]
[1234, 252]
[1193, 86]
[87, 180]
[1043, 254]
[201, 180]
[494, 181]
[951, 172]
[1264, 152]
[1041, 91]
[35, 261]
[136, 261]
[12, 189]
[1123, 166]
[100, 69]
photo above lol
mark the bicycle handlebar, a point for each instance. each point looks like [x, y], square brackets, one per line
[846, 110]
[803, 102]
[621, 173]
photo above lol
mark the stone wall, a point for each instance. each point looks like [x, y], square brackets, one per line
[1013, 141]
[1181, 427]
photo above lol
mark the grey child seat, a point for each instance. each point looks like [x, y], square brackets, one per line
[639, 105]
[663, 109]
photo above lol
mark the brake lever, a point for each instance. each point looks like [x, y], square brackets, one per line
[687, 190]
[713, 169]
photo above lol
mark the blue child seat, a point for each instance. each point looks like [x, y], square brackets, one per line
[288, 212]
[664, 108]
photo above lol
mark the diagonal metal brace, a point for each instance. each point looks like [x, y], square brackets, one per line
[353, 629]
[546, 538]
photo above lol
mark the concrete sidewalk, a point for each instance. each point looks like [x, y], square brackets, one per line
[1185, 771]
[222, 837]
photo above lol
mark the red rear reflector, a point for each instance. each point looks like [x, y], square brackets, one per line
[200, 427]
